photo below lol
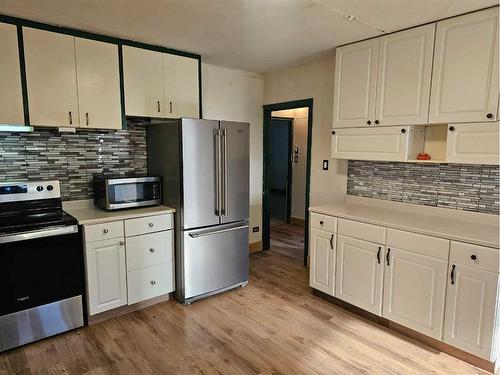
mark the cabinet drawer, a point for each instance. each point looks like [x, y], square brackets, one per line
[150, 282]
[149, 249]
[148, 224]
[324, 222]
[482, 257]
[99, 232]
[418, 243]
[363, 231]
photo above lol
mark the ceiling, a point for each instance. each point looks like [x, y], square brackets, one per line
[255, 35]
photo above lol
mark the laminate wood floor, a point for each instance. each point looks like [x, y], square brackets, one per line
[274, 325]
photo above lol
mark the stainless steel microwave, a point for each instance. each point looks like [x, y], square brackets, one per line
[118, 192]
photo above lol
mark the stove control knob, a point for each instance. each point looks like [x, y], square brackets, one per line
[50, 187]
[39, 188]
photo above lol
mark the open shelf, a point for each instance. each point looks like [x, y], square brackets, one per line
[430, 139]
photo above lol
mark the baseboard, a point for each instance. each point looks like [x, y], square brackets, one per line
[122, 310]
[411, 334]
[254, 247]
[297, 221]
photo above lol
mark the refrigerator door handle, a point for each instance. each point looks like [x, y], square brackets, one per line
[203, 234]
[217, 152]
[224, 211]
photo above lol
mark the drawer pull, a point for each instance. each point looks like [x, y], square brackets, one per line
[473, 257]
[387, 256]
[153, 282]
[331, 242]
[151, 250]
[105, 231]
[452, 276]
[151, 225]
[378, 254]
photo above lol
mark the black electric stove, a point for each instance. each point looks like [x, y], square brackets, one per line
[41, 264]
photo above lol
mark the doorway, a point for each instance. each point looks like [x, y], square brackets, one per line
[287, 169]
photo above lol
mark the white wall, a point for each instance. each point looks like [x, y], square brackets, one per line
[314, 80]
[237, 95]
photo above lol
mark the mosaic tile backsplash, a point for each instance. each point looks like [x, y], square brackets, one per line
[72, 158]
[456, 186]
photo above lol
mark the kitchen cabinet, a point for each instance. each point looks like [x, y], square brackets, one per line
[11, 99]
[465, 72]
[51, 78]
[404, 77]
[106, 274]
[98, 82]
[471, 299]
[322, 268]
[473, 143]
[181, 86]
[355, 84]
[359, 273]
[384, 143]
[143, 82]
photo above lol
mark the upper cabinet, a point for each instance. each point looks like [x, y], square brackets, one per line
[404, 77]
[71, 81]
[159, 84]
[355, 84]
[11, 99]
[465, 75]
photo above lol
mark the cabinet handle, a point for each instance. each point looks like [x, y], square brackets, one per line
[451, 128]
[331, 242]
[122, 243]
[452, 275]
[387, 256]
[489, 115]
[87, 118]
[70, 118]
[377, 122]
[321, 222]
[153, 282]
[369, 122]
[473, 257]
[333, 132]
[403, 130]
[105, 231]
[158, 106]
[378, 254]
[151, 225]
[170, 107]
[151, 250]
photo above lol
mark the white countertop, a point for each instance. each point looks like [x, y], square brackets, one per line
[86, 213]
[474, 232]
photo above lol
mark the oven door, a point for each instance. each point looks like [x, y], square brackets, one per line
[133, 192]
[40, 267]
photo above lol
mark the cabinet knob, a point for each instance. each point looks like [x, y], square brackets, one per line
[105, 231]
[489, 115]
[321, 222]
[473, 257]
[451, 128]
[122, 243]
[403, 130]
[151, 225]
[333, 132]
[369, 122]
[153, 282]
[377, 122]
[151, 250]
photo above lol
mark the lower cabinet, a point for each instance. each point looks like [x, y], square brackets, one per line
[106, 275]
[359, 273]
[414, 291]
[322, 267]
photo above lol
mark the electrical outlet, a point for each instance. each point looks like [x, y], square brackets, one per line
[255, 229]
[325, 165]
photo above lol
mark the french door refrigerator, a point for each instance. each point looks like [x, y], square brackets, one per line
[204, 166]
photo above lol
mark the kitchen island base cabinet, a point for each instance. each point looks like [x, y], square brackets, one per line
[359, 273]
[106, 275]
[321, 273]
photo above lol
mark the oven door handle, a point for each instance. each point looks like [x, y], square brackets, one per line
[49, 232]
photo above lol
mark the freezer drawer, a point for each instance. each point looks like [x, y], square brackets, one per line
[211, 260]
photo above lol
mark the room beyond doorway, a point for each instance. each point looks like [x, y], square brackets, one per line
[287, 151]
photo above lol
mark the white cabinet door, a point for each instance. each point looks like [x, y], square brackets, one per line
[379, 143]
[98, 84]
[181, 87]
[359, 273]
[322, 261]
[404, 77]
[143, 82]
[473, 143]
[465, 73]
[51, 78]
[355, 84]
[11, 97]
[470, 310]
[414, 291]
[106, 275]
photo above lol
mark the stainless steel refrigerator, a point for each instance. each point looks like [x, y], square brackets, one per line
[204, 166]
